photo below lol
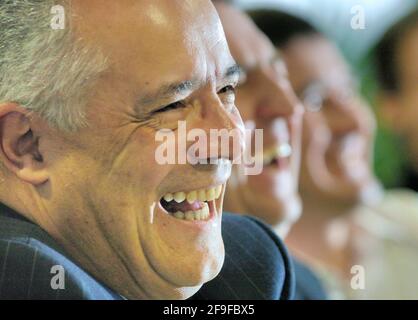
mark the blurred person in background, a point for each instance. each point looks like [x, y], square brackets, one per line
[267, 101]
[350, 229]
[397, 71]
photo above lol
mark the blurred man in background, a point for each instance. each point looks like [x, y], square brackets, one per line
[397, 66]
[341, 196]
[267, 101]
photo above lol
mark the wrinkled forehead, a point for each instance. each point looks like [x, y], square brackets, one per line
[152, 37]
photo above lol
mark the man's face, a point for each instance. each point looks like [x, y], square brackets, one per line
[401, 107]
[338, 129]
[266, 101]
[168, 61]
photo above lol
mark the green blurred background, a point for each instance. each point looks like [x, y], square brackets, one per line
[333, 17]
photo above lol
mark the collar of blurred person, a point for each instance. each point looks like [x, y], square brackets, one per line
[336, 174]
[266, 101]
[78, 126]
[397, 66]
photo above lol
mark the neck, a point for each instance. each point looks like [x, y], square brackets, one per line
[321, 236]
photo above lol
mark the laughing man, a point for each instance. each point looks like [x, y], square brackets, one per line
[81, 190]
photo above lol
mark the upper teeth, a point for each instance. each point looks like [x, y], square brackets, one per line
[191, 196]
[284, 150]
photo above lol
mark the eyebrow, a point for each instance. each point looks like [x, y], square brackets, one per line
[168, 90]
[181, 88]
[233, 71]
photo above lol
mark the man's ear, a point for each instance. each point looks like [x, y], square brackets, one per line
[389, 110]
[19, 147]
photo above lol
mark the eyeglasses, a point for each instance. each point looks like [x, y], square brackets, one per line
[315, 95]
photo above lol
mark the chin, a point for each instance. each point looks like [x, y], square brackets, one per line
[352, 193]
[276, 210]
[272, 196]
[182, 279]
[175, 293]
[289, 212]
[182, 293]
[207, 271]
[192, 267]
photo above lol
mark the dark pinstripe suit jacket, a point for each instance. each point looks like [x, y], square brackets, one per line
[257, 265]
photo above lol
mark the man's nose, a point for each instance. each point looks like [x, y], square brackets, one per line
[223, 128]
[341, 116]
[277, 100]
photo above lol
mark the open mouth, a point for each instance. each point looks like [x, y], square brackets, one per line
[277, 156]
[192, 205]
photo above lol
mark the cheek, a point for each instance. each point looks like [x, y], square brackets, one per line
[245, 104]
[316, 135]
[131, 172]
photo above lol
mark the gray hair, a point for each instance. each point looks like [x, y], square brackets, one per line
[46, 71]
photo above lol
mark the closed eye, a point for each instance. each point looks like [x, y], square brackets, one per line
[227, 89]
[172, 106]
[180, 104]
